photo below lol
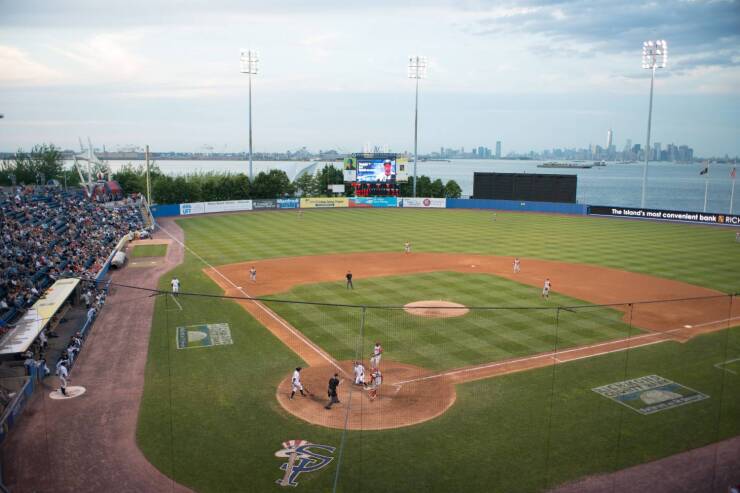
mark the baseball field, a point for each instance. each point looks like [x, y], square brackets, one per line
[634, 356]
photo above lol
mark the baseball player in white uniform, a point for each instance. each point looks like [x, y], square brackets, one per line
[296, 382]
[63, 374]
[517, 265]
[546, 288]
[359, 373]
[175, 285]
[407, 247]
[253, 274]
[377, 354]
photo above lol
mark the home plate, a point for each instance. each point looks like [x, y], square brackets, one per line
[72, 392]
[688, 326]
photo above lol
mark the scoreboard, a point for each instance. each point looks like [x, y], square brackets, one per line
[525, 186]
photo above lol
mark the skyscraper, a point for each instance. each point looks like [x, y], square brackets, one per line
[498, 149]
[609, 138]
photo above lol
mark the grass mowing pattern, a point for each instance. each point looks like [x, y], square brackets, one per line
[149, 251]
[698, 255]
[209, 418]
[480, 336]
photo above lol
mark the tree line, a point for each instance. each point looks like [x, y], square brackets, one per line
[44, 162]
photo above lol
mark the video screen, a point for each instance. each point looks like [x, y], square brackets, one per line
[376, 169]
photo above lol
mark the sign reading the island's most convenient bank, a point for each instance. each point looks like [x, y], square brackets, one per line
[663, 215]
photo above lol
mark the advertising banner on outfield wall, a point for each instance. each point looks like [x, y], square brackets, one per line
[264, 204]
[192, 208]
[373, 202]
[228, 206]
[324, 203]
[663, 215]
[423, 202]
[288, 203]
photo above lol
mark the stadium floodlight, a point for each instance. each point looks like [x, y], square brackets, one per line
[248, 65]
[654, 55]
[417, 70]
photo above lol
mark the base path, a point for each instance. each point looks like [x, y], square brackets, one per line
[88, 444]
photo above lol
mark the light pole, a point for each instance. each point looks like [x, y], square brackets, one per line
[248, 62]
[417, 70]
[654, 55]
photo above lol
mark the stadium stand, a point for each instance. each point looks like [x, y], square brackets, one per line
[48, 234]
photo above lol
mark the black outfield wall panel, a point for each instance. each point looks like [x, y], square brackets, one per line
[525, 186]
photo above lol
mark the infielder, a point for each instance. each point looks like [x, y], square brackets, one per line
[175, 286]
[376, 378]
[407, 247]
[296, 381]
[253, 274]
[517, 265]
[375, 358]
[546, 289]
[348, 276]
[359, 373]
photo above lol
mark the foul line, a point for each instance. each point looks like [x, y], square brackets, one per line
[175, 300]
[293, 331]
[554, 354]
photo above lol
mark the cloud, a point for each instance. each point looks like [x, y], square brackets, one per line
[17, 68]
[604, 26]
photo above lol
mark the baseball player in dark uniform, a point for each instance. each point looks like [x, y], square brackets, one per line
[333, 384]
[349, 280]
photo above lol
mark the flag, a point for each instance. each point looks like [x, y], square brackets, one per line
[705, 170]
[732, 173]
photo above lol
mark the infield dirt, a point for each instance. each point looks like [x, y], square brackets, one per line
[593, 284]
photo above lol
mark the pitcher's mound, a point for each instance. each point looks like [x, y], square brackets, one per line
[395, 406]
[436, 309]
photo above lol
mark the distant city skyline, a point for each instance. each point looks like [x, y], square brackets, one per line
[535, 75]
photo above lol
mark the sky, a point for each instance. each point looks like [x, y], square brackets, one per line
[333, 74]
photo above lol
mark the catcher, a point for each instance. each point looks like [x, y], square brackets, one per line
[376, 379]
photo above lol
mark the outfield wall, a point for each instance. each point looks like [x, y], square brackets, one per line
[442, 203]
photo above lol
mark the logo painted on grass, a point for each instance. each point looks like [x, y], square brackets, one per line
[203, 335]
[303, 456]
[650, 394]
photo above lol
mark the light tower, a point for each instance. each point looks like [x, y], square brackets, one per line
[417, 70]
[248, 64]
[654, 55]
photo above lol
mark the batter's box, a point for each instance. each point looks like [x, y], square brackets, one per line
[650, 394]
[203, 335]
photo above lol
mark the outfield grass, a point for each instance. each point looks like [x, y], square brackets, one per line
[480, 336]
[149, 251]
[692, 253]
[209, 417]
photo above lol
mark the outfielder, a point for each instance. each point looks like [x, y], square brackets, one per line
[377, 354]
[359, 373]
[296, 381]
[517, 265]
[175, 285]
[407, 247]
[546, 289]
[376, 379]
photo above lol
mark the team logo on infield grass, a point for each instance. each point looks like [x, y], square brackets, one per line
[203, 335]
[303, 456]
[650, 394]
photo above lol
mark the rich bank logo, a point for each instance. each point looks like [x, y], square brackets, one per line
[303, 456]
